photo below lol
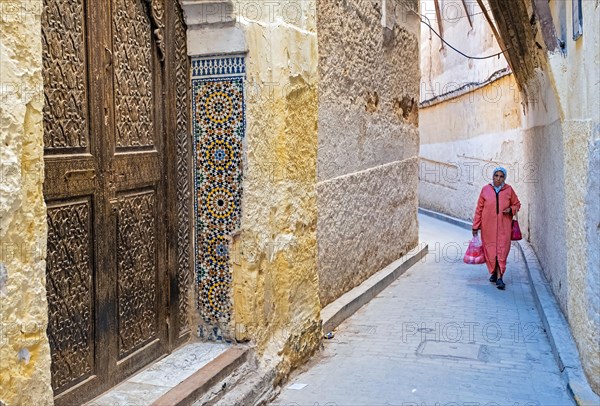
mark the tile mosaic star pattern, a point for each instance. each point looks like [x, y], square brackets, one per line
[218, 128]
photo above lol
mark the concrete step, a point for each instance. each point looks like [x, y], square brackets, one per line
[248, 385]
[209, 382]
[180, 377]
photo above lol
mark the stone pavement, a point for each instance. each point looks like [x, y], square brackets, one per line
[441, 334]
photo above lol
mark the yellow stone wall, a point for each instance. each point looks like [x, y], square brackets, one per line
[24, 349]
[275, 280]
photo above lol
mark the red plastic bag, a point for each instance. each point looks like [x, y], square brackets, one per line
[474, 254]
[515, 234]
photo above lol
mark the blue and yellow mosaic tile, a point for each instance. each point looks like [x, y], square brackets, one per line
[218, 130]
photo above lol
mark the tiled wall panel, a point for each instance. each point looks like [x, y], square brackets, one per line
[218, 131]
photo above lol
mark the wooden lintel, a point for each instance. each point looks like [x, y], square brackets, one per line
[438, 14]
[542, 9]
[464, 2]
[495, 31]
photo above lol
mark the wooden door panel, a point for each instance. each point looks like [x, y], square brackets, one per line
[181, 177]
[136, 167]
[70, 290]
[66, 128]
[137, 287]
[133, 75]
[65, 175]
[70, 190]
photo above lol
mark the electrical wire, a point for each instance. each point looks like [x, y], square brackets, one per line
[456, 50]
[474, 14]
[463, 16]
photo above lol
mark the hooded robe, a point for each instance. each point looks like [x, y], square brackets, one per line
[495, 226]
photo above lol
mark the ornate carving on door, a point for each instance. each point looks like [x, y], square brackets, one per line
[108, 139]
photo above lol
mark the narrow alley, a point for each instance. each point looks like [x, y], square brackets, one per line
[441, 334]
[252, 203]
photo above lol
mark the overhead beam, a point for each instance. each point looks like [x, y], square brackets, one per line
[496, 33]
[514, 20]
[464, 2]
[542, 10]
[438, 15]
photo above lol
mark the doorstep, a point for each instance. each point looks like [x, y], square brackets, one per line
[171, 376]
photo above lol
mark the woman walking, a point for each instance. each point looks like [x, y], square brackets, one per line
[497, 205]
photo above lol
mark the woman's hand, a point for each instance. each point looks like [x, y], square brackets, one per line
[508, 210]
[475, 233]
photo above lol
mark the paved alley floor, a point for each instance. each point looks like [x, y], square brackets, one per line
[441, 334]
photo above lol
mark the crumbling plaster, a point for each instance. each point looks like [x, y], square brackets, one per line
[275, 282]
[24, 349]
[273, 254]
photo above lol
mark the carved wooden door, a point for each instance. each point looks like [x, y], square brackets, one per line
[110, 256]
[135, 189]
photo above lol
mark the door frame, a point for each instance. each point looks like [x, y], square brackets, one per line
[178, 153]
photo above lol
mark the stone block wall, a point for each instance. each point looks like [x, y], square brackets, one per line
[368, 139]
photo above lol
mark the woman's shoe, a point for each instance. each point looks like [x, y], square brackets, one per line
[493, 278]
[500, 284]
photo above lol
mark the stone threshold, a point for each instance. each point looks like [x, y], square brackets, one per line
[176, 378]
[556, 326]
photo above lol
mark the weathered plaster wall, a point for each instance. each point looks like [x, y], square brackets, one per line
[368, 139]
[466, 133]
[24, 349]
[564, 217]
[574, 77]
[443, 69]
[275, 279]
[562, 117]
[464, 139]
[544, 147]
